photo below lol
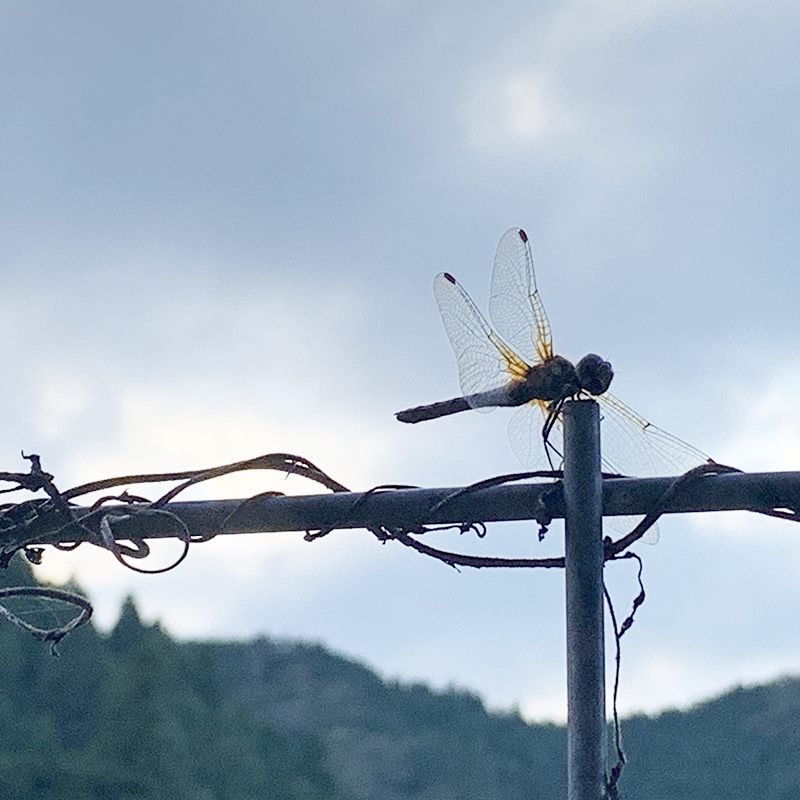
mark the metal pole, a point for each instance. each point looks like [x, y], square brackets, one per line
[586, 706]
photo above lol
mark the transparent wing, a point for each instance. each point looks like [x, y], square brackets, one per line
[630, 446]
[515, 307]
[634, 447]
[525, 435]
[484, 361]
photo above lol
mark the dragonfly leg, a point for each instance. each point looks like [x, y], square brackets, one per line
[549, 423]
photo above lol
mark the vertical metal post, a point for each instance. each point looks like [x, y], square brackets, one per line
[586, 705]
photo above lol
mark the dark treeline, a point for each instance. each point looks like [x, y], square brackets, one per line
[135, 714]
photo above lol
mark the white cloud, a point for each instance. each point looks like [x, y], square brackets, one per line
[254, 276]
[767, 435]
[515, 110]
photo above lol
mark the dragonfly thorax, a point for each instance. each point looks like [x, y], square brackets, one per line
[553, 379]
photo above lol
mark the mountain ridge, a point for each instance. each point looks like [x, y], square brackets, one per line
[136, 714]
[394, 741]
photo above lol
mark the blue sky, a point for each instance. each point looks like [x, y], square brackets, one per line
[220, 226]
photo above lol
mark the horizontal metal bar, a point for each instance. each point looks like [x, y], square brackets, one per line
[406, 508]
[409, 508]
[733, 491]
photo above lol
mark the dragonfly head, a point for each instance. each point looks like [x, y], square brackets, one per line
[594, 374]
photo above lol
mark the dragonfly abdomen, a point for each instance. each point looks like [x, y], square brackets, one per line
[488, 399]
[434, 410]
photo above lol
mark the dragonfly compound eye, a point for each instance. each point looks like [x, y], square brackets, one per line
[594, 374]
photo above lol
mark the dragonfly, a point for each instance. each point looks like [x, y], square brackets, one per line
[513, 364]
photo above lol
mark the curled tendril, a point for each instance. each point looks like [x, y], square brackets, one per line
[52, 635]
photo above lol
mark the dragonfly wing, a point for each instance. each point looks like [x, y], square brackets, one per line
[525, 435]
[484, 362]
[632, 446]
[515, 307]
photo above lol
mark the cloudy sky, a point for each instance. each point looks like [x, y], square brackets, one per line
[220, 225]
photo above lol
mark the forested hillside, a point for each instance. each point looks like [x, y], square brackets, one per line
[393, 742]
[135, 714]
